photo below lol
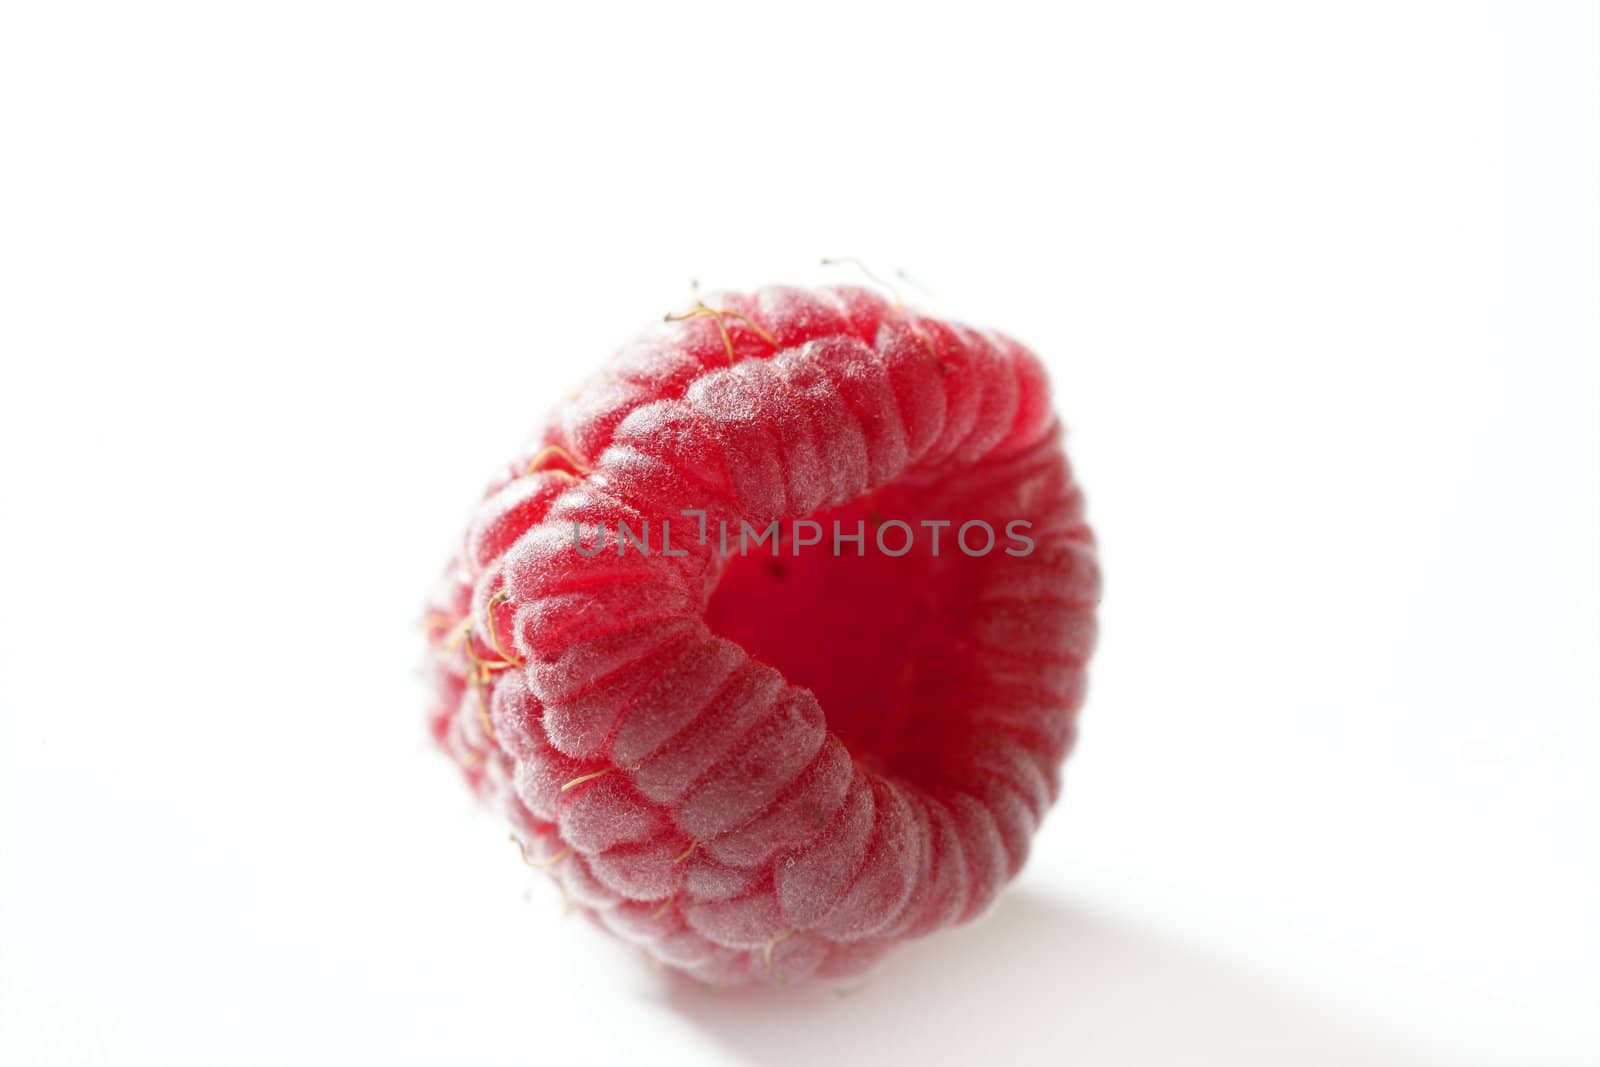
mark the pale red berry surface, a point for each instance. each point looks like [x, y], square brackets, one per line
[767, 767]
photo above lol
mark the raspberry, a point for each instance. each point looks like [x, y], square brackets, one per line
[773, 764]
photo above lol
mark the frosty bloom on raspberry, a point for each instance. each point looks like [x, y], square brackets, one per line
[763, 767]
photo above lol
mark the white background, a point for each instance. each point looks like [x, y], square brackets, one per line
[282, 284]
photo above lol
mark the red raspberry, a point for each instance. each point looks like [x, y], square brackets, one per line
[762, 766]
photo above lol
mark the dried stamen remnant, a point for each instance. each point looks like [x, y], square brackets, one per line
[701, 310]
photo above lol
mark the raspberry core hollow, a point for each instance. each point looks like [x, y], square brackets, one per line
[768, 761]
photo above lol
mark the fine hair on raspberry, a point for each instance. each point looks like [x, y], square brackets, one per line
[772, 762]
